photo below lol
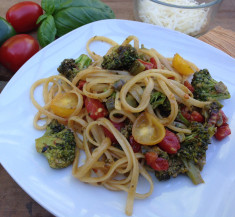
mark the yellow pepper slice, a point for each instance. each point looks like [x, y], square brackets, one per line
[181, 65]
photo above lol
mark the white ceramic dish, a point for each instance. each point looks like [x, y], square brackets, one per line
[63, 195]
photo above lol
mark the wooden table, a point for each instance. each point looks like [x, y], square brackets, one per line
[13, 200]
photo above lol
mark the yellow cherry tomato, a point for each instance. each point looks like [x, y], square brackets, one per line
[64, 104]
[147, 130]
[181, 65]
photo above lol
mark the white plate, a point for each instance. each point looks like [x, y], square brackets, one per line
[63, 195]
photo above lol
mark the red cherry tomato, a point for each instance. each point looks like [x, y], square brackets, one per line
[196, 116]
[153, 61]
[189, 86]
[147, 65]
[185, 112]
[170, 143]
[157, 163]
[222, 132]
[135, 145]
[81, 84]
[150, 157]
[95, 108]
[107, 133]
[17, 50]
[24, 15]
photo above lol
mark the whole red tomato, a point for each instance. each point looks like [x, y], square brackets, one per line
[23, 16]
[17, 50]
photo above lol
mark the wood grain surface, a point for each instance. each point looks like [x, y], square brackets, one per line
[14, 202]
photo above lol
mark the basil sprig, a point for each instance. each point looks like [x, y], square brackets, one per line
[63, 16]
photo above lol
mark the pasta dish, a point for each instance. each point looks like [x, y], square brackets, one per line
[132, 113]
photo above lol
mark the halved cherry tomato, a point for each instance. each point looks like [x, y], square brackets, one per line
[192, 116]
[107, 133]
[153, 61]
[148, 65]
[224, 117]
[157, 163]
[186, 113]
[222, 132]
[64, 104]
[81, 84]
[196, 116]
[23, 16]
[150, 157]
[189, 86]
[170, 143]
[135, 145]
[95, 108]
[17, 50]
[147, 130]
[181, 65]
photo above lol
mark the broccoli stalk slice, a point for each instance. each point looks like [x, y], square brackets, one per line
[131, 100]
[110, 103]
[82, 62]
[193, 172]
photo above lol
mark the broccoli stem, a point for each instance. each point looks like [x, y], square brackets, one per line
[193, 172]
[83, 61]
[182, 119]
[137, 67]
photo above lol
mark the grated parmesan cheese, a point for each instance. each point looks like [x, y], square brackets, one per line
[188, 21]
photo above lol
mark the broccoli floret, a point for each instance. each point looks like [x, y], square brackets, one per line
[121, 58]
[157, 98]
[208, 89]
[213, 118]
[182, 119]
[211, 111]
[176, 167]
[193, 171]
[57, 145]
[137, 67]
[127, 129]
[191, 156]
[195, 144]
[70, 67]
[160, 102]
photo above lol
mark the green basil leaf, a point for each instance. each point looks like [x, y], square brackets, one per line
[41, 18]
[84, 12]
[47, 31]
[48, 6]
[82, 3]
[51, 6]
